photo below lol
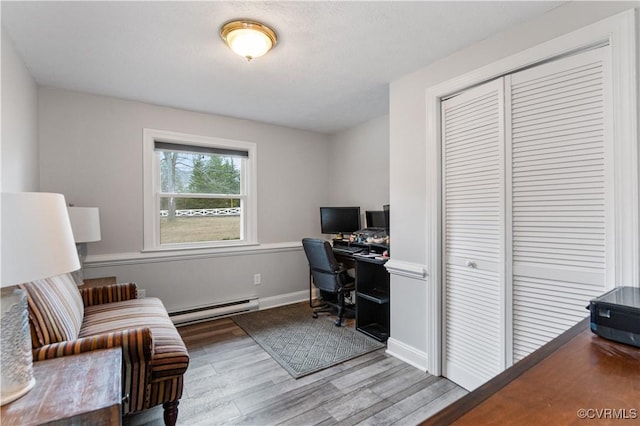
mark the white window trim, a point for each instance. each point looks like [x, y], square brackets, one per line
[619, 32]
[151, 219]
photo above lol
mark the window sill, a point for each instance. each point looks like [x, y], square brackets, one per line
[164, 255]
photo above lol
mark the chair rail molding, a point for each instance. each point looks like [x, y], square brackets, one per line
[406, 269]
[133, 258]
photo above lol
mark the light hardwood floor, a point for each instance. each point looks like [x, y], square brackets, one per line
[233, 381]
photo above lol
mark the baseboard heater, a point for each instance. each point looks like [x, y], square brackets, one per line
[205, 313]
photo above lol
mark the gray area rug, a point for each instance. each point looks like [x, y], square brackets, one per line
[303, 345]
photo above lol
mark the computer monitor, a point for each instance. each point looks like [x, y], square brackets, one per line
[376, 219]
[385, 209]
[337, 220]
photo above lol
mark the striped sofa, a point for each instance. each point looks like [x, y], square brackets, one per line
[67, 320]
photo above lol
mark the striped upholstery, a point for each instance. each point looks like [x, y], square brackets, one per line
[55, 309]
[137, 348]
[165, 390]
[170, 357]
[108, 293]
[154, 356]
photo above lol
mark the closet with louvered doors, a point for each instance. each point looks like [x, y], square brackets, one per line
[473, 144]
[526, 187]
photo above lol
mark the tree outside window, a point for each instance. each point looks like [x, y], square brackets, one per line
[200, 196]
[199, 191]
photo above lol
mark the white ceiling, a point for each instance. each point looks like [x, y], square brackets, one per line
[330, 70]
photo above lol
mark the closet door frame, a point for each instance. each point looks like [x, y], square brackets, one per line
[619, 32]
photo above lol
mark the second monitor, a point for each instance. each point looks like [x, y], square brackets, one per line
[376, 219]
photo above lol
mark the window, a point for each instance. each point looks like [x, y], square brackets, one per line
[199, 191]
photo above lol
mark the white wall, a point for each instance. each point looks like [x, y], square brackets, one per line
[19, 143]
[360, 164]
[91, 151]
[408, 120]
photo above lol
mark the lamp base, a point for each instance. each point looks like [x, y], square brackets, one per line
[12, 396]
[78, 276]
[15, 346]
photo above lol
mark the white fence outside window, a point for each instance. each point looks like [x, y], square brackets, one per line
[229, 211]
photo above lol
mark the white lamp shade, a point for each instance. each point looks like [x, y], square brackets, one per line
[37, 241]
[85, 223]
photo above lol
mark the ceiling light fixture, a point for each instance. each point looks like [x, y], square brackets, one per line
[249, 39]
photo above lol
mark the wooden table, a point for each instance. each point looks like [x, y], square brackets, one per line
[76, 389]
[577, 378]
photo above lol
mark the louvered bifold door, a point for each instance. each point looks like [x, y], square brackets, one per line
[558, 181]
[473, 235]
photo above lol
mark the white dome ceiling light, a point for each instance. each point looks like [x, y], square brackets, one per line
[249, 39]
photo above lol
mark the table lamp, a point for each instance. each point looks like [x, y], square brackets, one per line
[85, 223]
[37, 243]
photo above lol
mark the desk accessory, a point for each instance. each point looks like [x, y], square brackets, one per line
[616, 315]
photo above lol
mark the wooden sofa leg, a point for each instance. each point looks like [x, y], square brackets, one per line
[170, 412]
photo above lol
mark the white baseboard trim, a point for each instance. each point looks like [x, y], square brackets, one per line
[283, 299]
[408, 354]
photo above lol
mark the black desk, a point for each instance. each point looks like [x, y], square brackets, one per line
[372, 289]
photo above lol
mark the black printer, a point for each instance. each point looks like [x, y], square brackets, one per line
[616, 315]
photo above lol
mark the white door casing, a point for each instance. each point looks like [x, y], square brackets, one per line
[547, 198]
[619, 32]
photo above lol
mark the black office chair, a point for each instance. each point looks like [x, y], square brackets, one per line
[329, 276]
